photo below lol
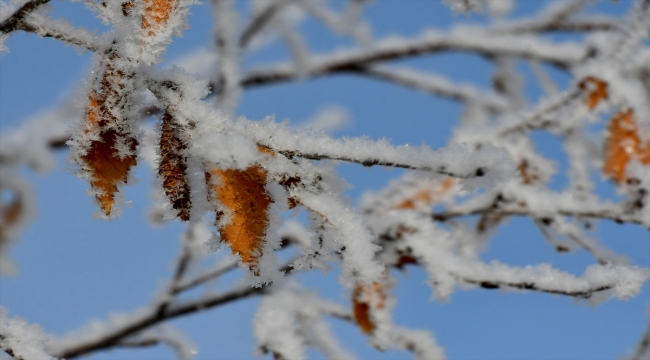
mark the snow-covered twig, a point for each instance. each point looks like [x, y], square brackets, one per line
[351, 61]
[438, 86]
[16, 20]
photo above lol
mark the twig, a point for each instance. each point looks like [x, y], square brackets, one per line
[437, 86]
[643, 348]
[491, 284]
[9, 350]
[258, 23]
[153, 317]
[354, 61]
[16, 20]
[206, 277]
[478, 172]
[606, 214]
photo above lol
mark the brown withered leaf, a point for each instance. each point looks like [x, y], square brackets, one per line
[623, 145]
[106, 168]
[488, 221]
[366, 299]
[156, 14]
[242, 192]
[173, 167]
[597, 91]
[528, 174]
[427, 196]
[10, 213]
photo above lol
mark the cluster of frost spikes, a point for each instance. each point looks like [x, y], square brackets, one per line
[288, 321]
[22, 340]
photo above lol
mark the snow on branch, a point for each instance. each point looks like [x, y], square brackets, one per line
[288, 321]
[491, 164]
[437, 85]
[563, 55]
[621, 282]
[167, 335]
[15, 21]
[21, 340]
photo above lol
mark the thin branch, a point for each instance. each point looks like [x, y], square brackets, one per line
[576, 25]
[258, 23]
[437, 86]
[606, 214]
[478, 172]
[481, 43]
[538, 119]
[224, 268]
[153, 317]
[643, 348]
[491, 284]
[16, 20]
[8, 349]
[58, 34]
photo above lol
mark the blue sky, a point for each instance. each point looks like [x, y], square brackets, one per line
[73, 268]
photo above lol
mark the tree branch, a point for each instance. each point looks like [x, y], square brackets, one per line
[643, 348]
[437, 86]
[16, 20]
[604, 213]
[560, 55]
[114, 336]
[491, 284]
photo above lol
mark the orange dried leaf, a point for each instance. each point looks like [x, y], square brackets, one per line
[173, 168]
[105, 167]
[242, 193]
[596, 91]
[427, 196]
[156, 14]
[623, 145]
[364, 300]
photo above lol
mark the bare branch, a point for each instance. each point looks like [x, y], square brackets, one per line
[643, 348]
[258, 22]
[208, 276]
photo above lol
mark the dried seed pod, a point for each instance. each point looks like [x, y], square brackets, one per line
[173, 167]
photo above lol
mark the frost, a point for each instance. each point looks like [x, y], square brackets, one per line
[21, 339]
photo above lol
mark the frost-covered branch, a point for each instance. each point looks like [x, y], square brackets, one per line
[579, 211]
[437, 86]
[165, 335]
[110, 336]
[21, 340]
[16, 20]
[561, 55]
